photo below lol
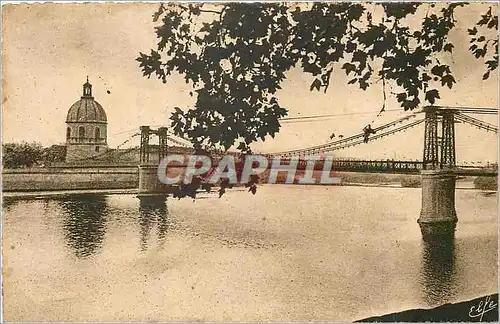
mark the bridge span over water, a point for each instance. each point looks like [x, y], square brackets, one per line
[438, 166]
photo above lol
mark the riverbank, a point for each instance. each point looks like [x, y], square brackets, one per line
[108, 179]
[134, 191]
[65, 193]
[70, 178]
[466, 311]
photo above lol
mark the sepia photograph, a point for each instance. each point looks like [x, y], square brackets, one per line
[249, 161]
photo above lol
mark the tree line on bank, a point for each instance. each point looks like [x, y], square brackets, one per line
[26, 155]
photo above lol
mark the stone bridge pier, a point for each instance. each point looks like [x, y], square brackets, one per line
[438, 216]
[149, 183]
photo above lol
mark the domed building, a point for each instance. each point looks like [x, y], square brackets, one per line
[86, 128]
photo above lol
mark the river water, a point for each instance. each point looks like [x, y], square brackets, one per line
[288, 253]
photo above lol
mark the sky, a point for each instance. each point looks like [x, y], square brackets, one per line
[49, 49]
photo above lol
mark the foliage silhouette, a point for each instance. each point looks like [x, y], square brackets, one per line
[236, 55]
[21, 155]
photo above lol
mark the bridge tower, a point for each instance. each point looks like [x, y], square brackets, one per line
[438, 215]
[149, 183]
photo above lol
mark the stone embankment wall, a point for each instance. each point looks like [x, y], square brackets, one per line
[70, 178]
[127, 177]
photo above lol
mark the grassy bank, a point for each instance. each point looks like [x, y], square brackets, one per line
[486, 183]
[347, 178]
[378, 178]
[403, 180]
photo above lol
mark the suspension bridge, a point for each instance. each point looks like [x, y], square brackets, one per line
[434, 143]
[438, 167]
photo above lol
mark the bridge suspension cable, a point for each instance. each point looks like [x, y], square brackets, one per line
[174, 140]
[375, 137]
[361, 141]
[470, 110]
[476, 122]
[357, 138]
[108, 152]
[325, 147]
[327, 116]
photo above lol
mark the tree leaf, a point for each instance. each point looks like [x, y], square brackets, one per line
[348, 67]
[401, 96]
[472, 31]
[315, 85]
[432, 95]
[448, 47]
[448, 80]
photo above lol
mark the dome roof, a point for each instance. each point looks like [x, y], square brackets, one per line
[86, 109]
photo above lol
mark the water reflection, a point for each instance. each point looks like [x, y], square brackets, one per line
[152, 210]
[8, 203]
[438, 269]
[84, 223]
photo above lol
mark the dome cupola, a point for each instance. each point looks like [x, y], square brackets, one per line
[86, 109]
[86, 127]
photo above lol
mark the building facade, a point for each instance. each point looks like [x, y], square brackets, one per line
[86, 128]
